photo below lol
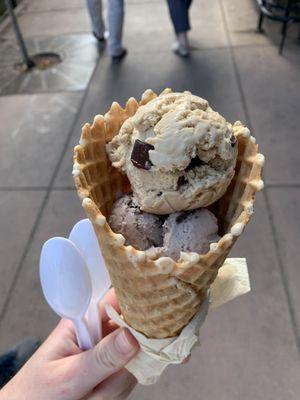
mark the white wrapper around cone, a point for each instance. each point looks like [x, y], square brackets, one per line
[156, 354]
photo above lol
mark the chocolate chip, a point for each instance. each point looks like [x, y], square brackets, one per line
[162, 218]
[195, 162]
[140, 155]
[233, 141]
[181, 181]
[181, 217]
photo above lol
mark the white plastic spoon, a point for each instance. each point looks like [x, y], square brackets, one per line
[66, 284]
[83, 236]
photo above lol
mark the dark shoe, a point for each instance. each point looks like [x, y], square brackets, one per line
[14, 359]
[100, 39]
[117, 59]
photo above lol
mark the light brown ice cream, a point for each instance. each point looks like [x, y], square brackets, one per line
[177, 152]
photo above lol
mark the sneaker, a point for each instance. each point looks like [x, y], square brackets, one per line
[180, 49]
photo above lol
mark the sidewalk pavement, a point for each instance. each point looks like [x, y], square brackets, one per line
[250, 347]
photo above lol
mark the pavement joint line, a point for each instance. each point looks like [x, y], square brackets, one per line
[44, 203]
[41, 36]
[283, 185]
[264, 193]
[33, 188]
[23, 188]
[63, 188]
[42, 93]
[235, 67]
[27, 11]
[132, 52]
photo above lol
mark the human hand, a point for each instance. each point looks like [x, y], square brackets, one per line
[60, 370]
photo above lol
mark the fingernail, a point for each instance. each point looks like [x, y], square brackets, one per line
[125, 342]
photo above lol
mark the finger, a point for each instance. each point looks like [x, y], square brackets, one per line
[110, 298]
[61, 342]
[116, 387]
[186, 360]
[108, 327]
[108, 357]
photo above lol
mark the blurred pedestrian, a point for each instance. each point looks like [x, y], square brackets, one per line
[95, 12]
[179, 13]
[115, 17]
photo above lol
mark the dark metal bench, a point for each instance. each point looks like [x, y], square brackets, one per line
[285, 11]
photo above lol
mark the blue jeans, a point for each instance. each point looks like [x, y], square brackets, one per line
[179, 13]
[115, 16]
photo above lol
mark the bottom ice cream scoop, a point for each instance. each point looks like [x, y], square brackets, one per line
[189, 232]
[140, 229]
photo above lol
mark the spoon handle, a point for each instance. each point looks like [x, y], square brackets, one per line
[95, 321]
[84, 339]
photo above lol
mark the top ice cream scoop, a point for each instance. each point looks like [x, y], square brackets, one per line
[177, 152]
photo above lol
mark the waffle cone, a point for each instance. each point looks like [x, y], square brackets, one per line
[159, 297]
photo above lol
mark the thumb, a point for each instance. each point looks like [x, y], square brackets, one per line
[107, 357]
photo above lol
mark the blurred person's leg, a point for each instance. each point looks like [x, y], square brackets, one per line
[115, 22]
[15, 358]
[95, 12]
[179, 13]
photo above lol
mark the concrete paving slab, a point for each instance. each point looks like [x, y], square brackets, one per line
[48, 5]
[28, 314]
[271, 87]
[51, 23]
[284, 204]
[78, 54]
[207, 73]
[18, 212]
[32, 135]
[248, 348]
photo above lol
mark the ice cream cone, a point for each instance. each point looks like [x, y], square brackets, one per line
[159, 297]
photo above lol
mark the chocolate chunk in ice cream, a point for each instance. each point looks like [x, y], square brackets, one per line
[195, 162]
[233, 141]
[140, 155]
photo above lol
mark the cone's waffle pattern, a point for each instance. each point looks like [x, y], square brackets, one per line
[159, 297]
